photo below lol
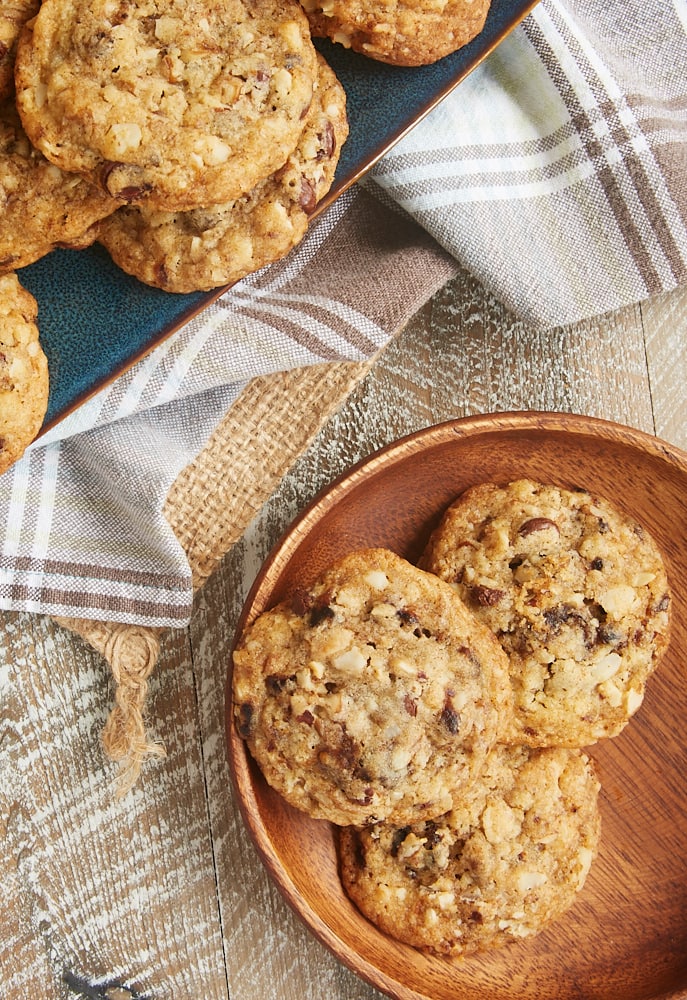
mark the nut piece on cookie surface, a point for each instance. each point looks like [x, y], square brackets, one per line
[372, 694]
[510, 857]
[576, 593]
[23, 371]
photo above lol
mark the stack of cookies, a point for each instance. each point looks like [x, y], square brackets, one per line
[438, 713]
[193, 139]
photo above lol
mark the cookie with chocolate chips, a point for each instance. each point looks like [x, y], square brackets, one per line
[400, 32]
[23, 371]
[218, 245]
[41, 206]
[508, 859]
[173, 103]
[576, 593]
[371, 695]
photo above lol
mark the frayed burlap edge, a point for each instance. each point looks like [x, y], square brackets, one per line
[208, 507]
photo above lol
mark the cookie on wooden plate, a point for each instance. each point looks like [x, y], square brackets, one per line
[401, 32]
[23, 371]
[576, 593]
[175, 103]
[217, 245]
[508, 859]
[373, 694]
[41, 206]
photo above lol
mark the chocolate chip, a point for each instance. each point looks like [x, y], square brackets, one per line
[450, 719]
[244, 719]
[112, 989]
[407, 616]
[275, 683]
[327, 142]
[398, 837]
[561, 614]
[307, 198]
[536, 524]
[117, 178]
[486, 597]
[301, 601]
[320, 613]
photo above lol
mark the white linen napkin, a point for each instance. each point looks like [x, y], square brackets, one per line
[556, 173]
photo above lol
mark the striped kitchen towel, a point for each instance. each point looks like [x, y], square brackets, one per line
[556, 173]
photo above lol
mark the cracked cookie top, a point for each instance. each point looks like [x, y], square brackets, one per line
[576, 593]
[175, 103]
[504, 863]
[374, 694]
[217, 245]
[23, 371]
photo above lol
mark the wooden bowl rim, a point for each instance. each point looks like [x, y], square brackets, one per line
[240, 763]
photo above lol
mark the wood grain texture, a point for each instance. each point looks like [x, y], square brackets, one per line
[162, 890]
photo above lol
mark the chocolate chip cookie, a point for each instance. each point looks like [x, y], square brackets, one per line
[576, 593]
[401, 32]
[373, 694]
[23, 371]
[173, 103]
[218, 245]
[41, 206]
[509, 858]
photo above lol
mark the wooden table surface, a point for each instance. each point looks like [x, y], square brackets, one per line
[161, 891]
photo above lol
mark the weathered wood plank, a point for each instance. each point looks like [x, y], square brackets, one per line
[113, 889]
[268, 951]
[665, 324]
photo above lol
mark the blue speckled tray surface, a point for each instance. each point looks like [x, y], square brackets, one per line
[96, 321]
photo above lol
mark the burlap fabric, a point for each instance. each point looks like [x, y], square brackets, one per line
[208, 507]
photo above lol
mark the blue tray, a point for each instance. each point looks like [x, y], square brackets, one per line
[96, 321]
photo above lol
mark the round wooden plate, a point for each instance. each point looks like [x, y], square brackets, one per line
[626, 935]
